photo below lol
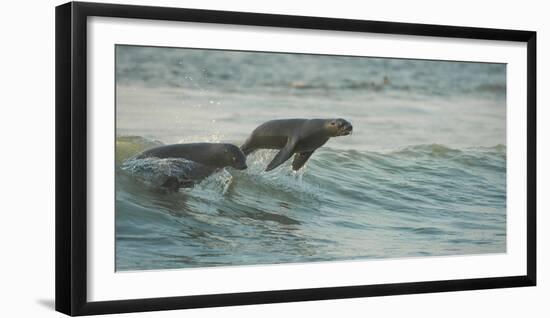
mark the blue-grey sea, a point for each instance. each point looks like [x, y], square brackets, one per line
[423, 174]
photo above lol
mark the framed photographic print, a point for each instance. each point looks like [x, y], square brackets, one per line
[228, 158]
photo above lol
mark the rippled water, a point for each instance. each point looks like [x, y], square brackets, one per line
[423, 174]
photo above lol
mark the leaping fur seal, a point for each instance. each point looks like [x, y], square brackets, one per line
[294, 136]
[216, 155]
[205, 159]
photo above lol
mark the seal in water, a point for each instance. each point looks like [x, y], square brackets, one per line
[205, 159]
[294, 136]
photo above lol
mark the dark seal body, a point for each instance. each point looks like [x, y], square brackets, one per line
[203, 160]
[294, 136]
[216, 155]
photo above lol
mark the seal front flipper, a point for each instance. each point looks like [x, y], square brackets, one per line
[283, 155]
[300, 159]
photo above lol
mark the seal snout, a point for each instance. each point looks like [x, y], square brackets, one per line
[344, 128]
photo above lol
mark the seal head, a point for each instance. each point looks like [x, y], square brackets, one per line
[233, 157]
[338, 127]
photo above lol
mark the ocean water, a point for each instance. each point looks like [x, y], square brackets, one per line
[423, 174]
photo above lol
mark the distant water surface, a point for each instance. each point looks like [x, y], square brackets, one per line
[423, 174]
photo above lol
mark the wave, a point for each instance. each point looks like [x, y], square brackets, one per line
[331, 209]
[264, 72]
[345, 170]
[385, 85]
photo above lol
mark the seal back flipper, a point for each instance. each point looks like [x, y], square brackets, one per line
[300, 160]
[282, 155]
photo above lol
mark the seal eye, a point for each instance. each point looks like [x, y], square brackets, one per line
[333, 123]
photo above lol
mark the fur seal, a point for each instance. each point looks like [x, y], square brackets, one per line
[215, 155]
[294, 136]
[205, 159]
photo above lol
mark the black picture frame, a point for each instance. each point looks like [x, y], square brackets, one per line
[71, 157]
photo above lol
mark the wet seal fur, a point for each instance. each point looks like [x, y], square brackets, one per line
[207, 159]
[294, 136]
